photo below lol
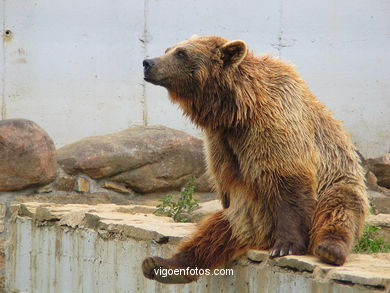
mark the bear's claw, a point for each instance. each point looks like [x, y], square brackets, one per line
[287, 248]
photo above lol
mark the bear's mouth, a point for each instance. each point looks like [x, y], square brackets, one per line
[152, 80]
[148, 76]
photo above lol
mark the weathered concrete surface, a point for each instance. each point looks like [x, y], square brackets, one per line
[81, 248]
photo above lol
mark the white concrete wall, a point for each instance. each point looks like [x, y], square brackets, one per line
[75, 68]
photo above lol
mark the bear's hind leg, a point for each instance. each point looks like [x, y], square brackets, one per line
[211, 246]
[337, 222]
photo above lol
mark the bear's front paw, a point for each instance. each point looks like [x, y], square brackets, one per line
[165, 271]
[331, 252]
[287, 248]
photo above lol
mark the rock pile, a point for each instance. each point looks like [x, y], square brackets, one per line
[138, 160]
[146, 159]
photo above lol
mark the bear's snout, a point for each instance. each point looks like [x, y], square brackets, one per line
[148, 63]
[150, 75]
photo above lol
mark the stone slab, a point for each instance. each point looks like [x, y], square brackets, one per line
[137, 223]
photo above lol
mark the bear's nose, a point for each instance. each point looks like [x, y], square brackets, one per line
[148, 63]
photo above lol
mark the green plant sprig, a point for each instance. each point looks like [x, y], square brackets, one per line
[176, 209]
[370, 242]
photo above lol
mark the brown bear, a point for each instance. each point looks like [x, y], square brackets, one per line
[287, 174]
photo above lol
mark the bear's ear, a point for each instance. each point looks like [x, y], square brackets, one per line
[233, 52]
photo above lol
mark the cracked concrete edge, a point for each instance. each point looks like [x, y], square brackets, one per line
[301, 263]
[137, 222]
[311, 267]
[110, 221]
[355, 271]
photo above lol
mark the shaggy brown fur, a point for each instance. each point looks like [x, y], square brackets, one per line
[287, 173]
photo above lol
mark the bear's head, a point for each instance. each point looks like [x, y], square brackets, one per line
[189, 64]
[202, 75]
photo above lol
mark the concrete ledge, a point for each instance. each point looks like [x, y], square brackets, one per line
[82, 248]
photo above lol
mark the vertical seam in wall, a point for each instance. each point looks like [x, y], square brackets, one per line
[280, 37]
[3, 105]
[145, 52]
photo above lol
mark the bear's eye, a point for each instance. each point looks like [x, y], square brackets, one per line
[181, 53]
